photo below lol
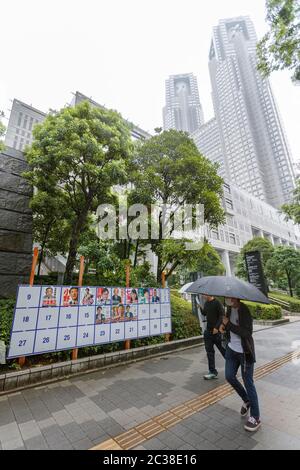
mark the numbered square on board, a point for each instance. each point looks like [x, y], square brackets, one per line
[45, 340]
[143, 328]
[28, 296]
[86, 315]
[25, 319]
[154, 311]
[48, 317]
[155, 328]
[85, 335]
[131, 329]
[66, 338]
[117, 332]
[102, 334]
[165, 310]
[144, 312]
[166, 326]
[21, 343]
[68, 316]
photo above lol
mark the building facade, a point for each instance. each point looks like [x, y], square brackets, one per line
[183, 110]
[22, 119]
[254, 145]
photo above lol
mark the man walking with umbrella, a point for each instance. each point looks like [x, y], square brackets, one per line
[213, 311]
[239, 325]
[240, 352]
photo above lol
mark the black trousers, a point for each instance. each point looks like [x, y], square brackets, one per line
[210, 341]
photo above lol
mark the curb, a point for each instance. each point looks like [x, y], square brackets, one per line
[42, 375]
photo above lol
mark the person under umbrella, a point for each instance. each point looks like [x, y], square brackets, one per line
[240, 353]
[238, 326]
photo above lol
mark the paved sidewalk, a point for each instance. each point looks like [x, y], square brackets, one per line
[81, 412]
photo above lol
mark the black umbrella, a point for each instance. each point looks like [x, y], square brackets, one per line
[225, 286]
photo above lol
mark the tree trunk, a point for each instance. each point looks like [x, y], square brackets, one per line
[136, 253]
[290, 284]
[77, 228]
[43, 246]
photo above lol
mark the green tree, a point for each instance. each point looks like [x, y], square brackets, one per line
[260, 244]
[2, 131]
[77, 155]
[169, 169]
[292, 210]
[280, 46]
[285, 261]
[208, 261]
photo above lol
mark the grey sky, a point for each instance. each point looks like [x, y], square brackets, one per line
[120, 52]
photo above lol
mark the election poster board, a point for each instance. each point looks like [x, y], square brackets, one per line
[55, 318]
[255, 271]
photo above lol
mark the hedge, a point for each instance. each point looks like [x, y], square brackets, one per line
[294, 304]
[264, 311]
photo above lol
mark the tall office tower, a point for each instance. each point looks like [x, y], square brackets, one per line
[254, 145]
[183, 110]
[22, 120]
[208, 140]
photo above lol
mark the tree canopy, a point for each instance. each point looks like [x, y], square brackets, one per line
[77, 155]
[292, 210]
[280, 46]
[285, 261]
[260, 244]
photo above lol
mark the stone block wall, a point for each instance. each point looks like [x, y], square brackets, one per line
[15, 223]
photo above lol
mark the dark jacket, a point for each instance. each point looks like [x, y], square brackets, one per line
[213, 310]
[244, 329]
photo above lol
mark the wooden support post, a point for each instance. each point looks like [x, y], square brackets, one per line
[31, 281]
[163, 284]
[81, 271]
[127, 341]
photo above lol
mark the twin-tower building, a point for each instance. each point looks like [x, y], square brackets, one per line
[246, 135]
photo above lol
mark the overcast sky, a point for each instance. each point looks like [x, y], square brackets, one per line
[119, 52]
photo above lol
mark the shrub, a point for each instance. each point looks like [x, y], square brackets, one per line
[294, 303]
[184, 323]
[264, 311]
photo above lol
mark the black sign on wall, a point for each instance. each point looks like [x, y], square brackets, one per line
[255, 271]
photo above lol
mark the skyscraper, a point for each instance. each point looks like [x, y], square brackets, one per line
[183, 110]
[255, 150]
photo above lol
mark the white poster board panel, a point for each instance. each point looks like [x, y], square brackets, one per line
[144, 312]
[102, 334]
[85, 335]
[155, 328]
[117, 332]
[68, 316]
[25, 319]
[45, 340]
[165, 310]
[48, 317]
[66, 338]
[166, 326]
[28, 296]
[86, 316]
[131, 330]
[21, 343]
[143, 328]
[154, 311]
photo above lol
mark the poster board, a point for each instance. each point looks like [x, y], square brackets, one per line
[55, 318]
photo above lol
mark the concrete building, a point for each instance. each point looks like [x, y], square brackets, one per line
[248, 217]
[22, 120]
[254, 146]
[183, 110]
[15, 223]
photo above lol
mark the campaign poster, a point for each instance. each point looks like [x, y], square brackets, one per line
[144, 295]
[70, 296]
[103, 314]
[103, 296]
[132, 296]
[50, 296]
[118, 295]
[87, 296]
[154, 295]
